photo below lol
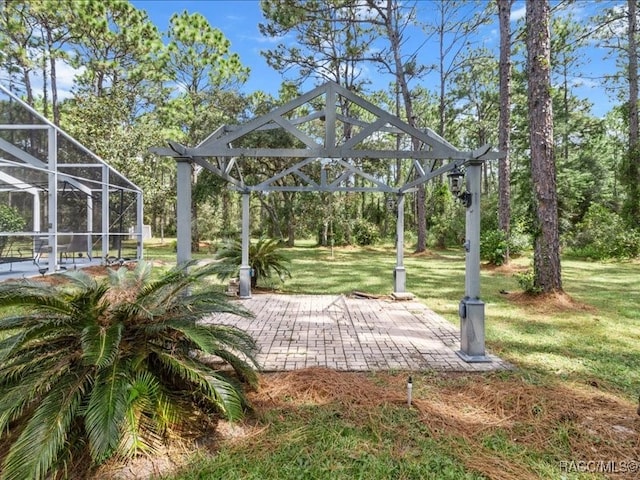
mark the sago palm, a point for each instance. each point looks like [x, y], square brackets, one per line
[96, 368]
[265, 259]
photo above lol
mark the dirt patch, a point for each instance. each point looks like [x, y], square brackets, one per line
[507, 269]
[549, 303]
[94, 271]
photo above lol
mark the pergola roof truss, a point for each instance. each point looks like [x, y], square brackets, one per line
[321, 158]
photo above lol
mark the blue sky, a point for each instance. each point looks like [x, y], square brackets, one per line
[238, 20]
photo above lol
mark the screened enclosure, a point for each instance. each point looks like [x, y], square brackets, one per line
[59, 202]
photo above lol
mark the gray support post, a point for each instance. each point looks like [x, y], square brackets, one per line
[104, 232]
[52, 213]
[89, 224]
[400, 274]
[37, 221]
[183, 222]
[245, 267]
[471, 307]
[139, 225]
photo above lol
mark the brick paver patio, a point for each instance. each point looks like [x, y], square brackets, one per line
[351, 334]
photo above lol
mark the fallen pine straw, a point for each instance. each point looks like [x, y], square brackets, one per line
[465, 411]
[548, 303]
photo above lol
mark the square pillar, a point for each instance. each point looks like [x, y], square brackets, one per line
[245, 267]
[183, 220]
[399, 273]
[471, 309]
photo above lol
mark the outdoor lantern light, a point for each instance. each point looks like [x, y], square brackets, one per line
[391, 204]
[456, 181]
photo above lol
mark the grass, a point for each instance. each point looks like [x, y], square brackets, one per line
[580, 351]
[308, 442]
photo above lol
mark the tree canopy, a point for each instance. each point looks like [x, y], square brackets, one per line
[136, 86]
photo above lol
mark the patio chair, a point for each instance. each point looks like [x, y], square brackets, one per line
[77, 244]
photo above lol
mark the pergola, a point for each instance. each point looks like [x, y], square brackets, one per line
[63, 191]
[323, 160]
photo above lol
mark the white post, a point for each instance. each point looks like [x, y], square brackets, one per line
[52, 213]
[245, 267]
[183, 222]
[89, 225]
[471, 307]
[139, 225]
[105, 220]
[400, 274]
[37, 222]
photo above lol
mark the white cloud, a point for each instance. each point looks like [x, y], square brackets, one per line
[65, 80]
[518, 13]
[584, 82]
[65, 76]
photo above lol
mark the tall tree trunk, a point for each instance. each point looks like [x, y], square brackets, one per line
[632, 173]
[504, 129]
[54, 79]
[543, 172]
[633, 75]
[45, 87]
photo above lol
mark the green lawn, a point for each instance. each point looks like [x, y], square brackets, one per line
[583, 351]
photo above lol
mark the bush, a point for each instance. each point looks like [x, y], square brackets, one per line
[265, 259]
[10, 221]
[446, 225]
[602, 235]
[106, 368]
[519, 241]
[527, 282]
[493, 246]
[365, 233]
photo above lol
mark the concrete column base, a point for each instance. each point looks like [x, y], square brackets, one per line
[244, 290]
[472, 331]
[399, 280]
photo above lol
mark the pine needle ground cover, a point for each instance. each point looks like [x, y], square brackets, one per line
[567, 411]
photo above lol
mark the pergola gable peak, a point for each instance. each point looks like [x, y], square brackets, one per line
[326, 103]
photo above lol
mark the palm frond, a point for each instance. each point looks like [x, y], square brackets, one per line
[219, 391]
[36, 335]
[39, 301]
[244, 368]
[106, 410]
[117, 277]
[229, 343]
[35, 451]
[173, 281]
[80, 279]
[34, 362]
[100, 345]
[138, 430]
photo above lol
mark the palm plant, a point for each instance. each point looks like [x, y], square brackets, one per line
[265, 259]
[105, 367]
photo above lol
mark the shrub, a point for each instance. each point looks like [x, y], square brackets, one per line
[96, 369]
[265, 259]
[493, 246]
[10, 221]
[519, 241]
[446, 225]
[527, 282]
[602, 235]
[365, 233]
